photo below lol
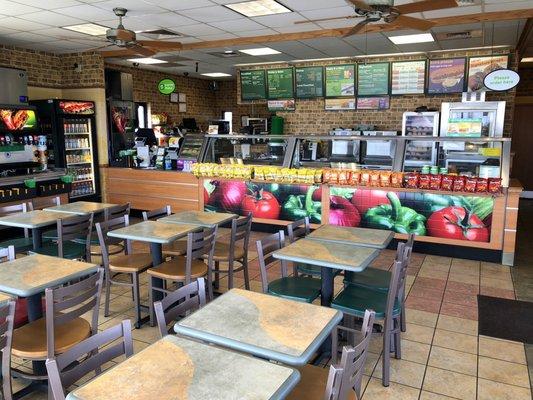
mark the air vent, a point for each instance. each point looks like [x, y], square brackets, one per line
[161, 34]
[459, 35]
[225, 54]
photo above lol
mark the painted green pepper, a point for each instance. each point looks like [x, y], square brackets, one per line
[301, 206]
[395, 217]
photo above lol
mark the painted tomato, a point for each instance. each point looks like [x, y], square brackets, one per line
[261, 204]
[228, 195]
[457, 223]
[342, 212]
[366, 199]
[206, 196]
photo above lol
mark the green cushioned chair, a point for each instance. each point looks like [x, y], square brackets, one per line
[299, 288]
[71, 250]
[369, 278]
[355, 300]
[298, 230]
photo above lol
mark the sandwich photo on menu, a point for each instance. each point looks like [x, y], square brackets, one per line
[446, 75]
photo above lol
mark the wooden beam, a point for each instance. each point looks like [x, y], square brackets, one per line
[323, 33]
[525, 38]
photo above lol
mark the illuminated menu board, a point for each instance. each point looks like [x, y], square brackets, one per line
[408, 77]
[253, 85]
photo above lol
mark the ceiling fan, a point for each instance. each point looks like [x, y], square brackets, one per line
[386, 11]
[127, 40]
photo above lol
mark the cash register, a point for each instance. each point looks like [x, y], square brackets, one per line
[144, 141]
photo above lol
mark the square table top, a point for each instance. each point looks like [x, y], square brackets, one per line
[377, 238]
[200, 218]
[33, 219]
[328, 254]
[153, 232]
[30, 275]
[263, 325]
[176, 368]
[81, 207]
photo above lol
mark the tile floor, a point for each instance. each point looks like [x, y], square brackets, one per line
[443, 357]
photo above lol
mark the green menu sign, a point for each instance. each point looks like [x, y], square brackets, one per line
[280, 83]
[373, 79]
[253, 85]
[340, 80]
[309, 82]
[166, 86]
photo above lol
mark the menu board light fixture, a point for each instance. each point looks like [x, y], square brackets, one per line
[260, 51]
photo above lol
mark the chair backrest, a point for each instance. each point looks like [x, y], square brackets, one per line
[396, 292]
[15, 209]
[66, 303]
[87, 356]
[240, 231]
[75, 227]
[117, 211]
[333, 383]
[46, 202]
[299, 229]
[353, 360]
[187, 298]
[265, 248]
[157, 213]
[200, 244]
[7, 318]
[7, 254]
[101, 231]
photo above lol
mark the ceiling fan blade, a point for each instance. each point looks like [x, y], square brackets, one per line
[426, 5]
[101, 47]
[356, 28]
[413, 23]
[123, 34]
[360, 4]
[117, 53]
[326, 19]
[142, 50]
[160, 44]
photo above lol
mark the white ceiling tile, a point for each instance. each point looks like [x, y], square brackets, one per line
[218, 36]
[21, 24]
[333, 47]
[51, 18]
[302, 5]
[11, 8]
[31, 37]
[298, 28]
[50, 4]
[507, 6]
[88, 13]
[134, 7]
[133, 24]
[452, 12]
[197, 29]
[279, 20]
[257, 32]
[181, 4]
[330, 12]
[237, 25]
[299, 50]
[163, 19]
[211, 14]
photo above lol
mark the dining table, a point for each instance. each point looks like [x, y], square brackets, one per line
[35, 220]
[365, 237]
[178, 368]
[200, 218]
[269, 327]
[81, 207]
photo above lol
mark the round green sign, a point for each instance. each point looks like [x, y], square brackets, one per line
[166, 86]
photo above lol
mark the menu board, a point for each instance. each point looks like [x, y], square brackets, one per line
[253, 85]
[464, 127]
[373, 103]
[309, 82]
[281, 105]
[373, 79]
[340, 80]
[339, 104]
[446, 76]
[280, 83]
[480, 67]
[408, 77]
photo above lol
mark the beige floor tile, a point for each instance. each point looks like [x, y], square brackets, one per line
[404, 372]
[463, 265]
[450, 383]
[414, 351]
[376, 344]
[503, 371]
[418, 333]
[427, 265]
[455, 341]
[488, 390]
[456, 324]
[464, 278]
[493, 267]
[371, 361]
[506, 284]
[427, 272]
[453, 360]
[375, 390]
[421, 317]
[424, 395]
[437, 260]
[146, 334]
[502, 350]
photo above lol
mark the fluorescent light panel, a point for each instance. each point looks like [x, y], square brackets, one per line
[410, 39]
[88, 29]
[526, 59]
[216, 74]
[261, 51]
[258, 8]
[147, 60]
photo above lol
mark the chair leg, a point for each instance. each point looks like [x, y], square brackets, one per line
[398, 341]
[136, 299]
[209, 284]
[107, 295]
[403, 319]
[217, 275]
[151, 301]
[386, 358]
[230, 274]
[132, 287]
[334, 345]
[246, 275]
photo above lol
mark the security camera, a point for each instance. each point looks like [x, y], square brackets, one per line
[185, 74]
[135, 64]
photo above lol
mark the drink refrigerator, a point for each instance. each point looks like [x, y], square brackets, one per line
[418, 152]
[70, 128]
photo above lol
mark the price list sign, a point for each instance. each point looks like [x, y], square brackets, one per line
[309, 82]
[373, 79]
[280, 83]
[408, 77]
[340, 80]
[253, 85]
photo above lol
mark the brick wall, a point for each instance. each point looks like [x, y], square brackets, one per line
[311, 118]
[525, 87]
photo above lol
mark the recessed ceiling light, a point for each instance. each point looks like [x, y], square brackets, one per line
[261, 51]
[146, 60]
[409, 39]
[216, 74]
[228, 51]
[526, 59]
[257, 8]
[88, 29]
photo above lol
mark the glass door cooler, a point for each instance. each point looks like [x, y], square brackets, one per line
[418, 152]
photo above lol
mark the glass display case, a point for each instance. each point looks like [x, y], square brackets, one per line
[249, 149]
[420, 153]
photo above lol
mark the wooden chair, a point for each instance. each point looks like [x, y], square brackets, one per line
[344, 379]
[118, 245]
[180, 302]
[300, 288]
[176, 248]
[63, 326]
[354, 300]
[88, 356]
[118, 265]
[185, 269]
[7, 316]
[24, 243]
[69, 230]
[236, 251]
